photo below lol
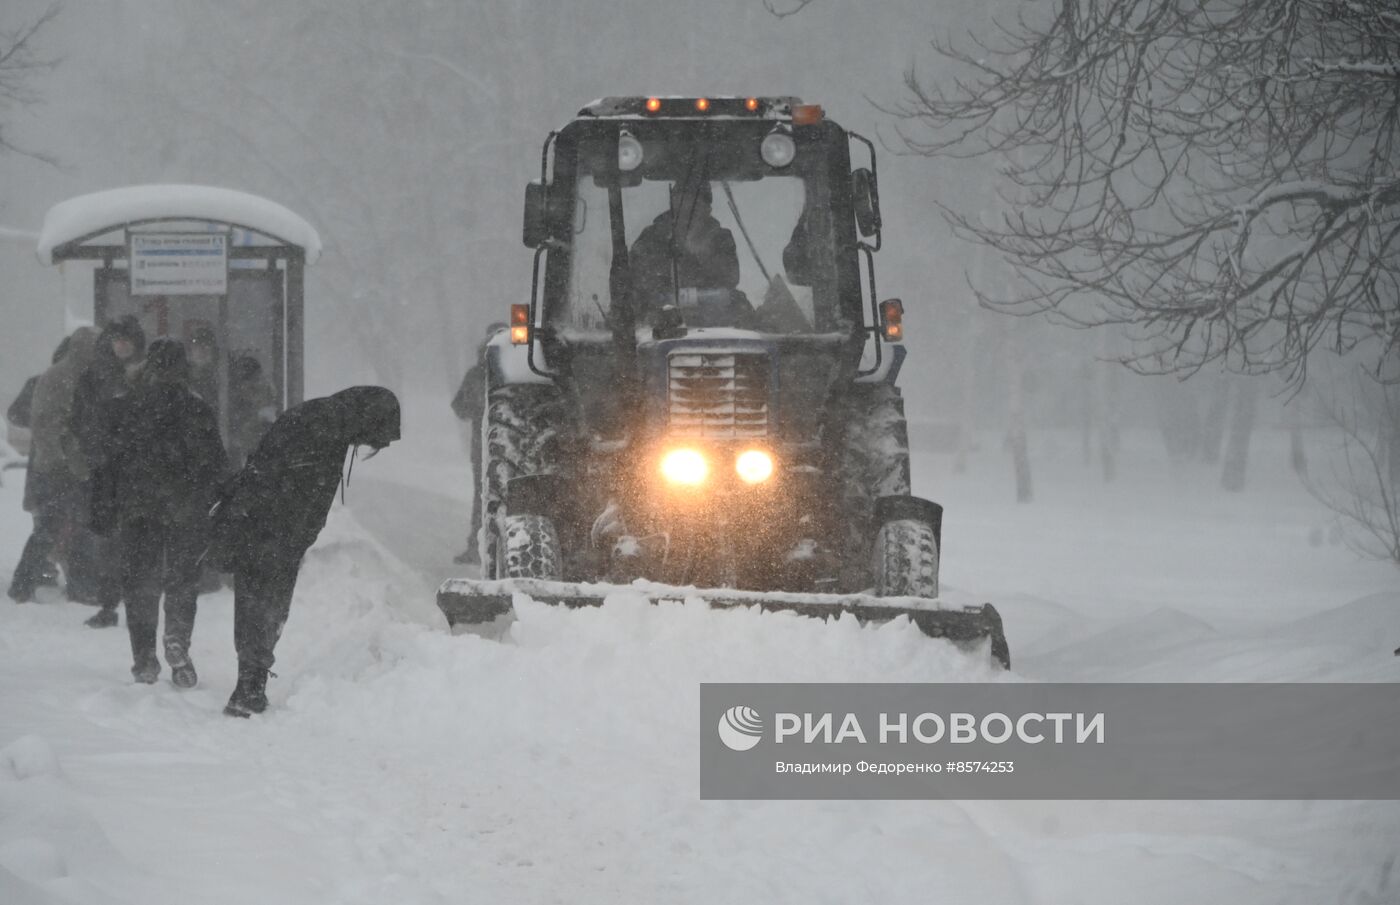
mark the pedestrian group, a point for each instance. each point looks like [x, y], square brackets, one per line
[137, 496]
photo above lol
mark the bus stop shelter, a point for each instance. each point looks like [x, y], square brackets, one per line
[196, 263]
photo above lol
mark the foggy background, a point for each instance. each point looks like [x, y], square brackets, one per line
[406, 131]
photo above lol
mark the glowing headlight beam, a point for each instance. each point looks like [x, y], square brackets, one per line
[685, 466]
[754, 466]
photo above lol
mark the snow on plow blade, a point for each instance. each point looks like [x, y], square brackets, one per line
[471, 604]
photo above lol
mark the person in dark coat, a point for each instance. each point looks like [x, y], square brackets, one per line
[252, 406]
[97, 568]
[54, 485]
[19, 413]
[273, 510]
[36, 563]
[470, 405]
[166, 465]
[688, 237]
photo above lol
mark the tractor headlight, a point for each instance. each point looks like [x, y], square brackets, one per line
[754, 466]
[685, 466]
[629, 152]
[777, 149]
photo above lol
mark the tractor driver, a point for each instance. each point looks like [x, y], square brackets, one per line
[704, 256]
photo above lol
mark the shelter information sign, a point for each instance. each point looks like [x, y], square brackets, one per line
[179, 263]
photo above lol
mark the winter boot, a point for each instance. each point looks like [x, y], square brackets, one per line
[250, 695]
[146, 670]
[103, 618]
[182, 673]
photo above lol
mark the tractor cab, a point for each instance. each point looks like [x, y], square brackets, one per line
[685, 224]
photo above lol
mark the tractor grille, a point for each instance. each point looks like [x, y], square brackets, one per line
[723, 395]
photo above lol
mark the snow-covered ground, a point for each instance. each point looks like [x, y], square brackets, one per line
[401, 764]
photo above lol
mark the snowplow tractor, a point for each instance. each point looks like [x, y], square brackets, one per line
[699, 401]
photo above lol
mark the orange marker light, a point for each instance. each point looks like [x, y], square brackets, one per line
[892, 320]
[807, 114]
[751, 104]
[653, 104]
[702, 104]
[519, 324]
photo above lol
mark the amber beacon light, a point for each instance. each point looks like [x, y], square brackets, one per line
[653, 104]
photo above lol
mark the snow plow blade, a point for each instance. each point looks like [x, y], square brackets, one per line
[484, 607]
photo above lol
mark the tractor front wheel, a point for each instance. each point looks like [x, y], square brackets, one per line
[906, 559]
[532, 548]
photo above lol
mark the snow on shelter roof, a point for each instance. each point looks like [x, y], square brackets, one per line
[88, 216]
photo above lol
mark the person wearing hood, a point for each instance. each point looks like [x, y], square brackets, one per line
[273, 510]
[165, 465]
[120, 350]
[54, 480]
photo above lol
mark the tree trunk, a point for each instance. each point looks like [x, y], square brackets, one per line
[1213, 431]
[1016, 411]
[1106, 404]
[1297, 455]
[967, 416]
[1241, 427]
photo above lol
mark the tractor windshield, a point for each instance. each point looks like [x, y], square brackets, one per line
[711, 229]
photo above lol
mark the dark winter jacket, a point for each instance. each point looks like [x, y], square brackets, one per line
[470, 401]
[166, 459]
[471, 395]
[19, 411]
[705, 258]
[252, 405]
[55, 462]
[275, 507]
[106, 379]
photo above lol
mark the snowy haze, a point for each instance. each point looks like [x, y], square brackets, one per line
[401, 764]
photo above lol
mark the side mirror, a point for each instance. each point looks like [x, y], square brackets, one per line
[865, 198]
[536, 229]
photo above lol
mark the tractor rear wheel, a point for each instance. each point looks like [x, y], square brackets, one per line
[522, 434]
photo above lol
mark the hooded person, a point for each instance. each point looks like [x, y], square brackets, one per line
[53, 485]
[273, 510]
[165, 465]
[120, 350]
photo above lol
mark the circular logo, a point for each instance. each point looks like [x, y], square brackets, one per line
[740, 728]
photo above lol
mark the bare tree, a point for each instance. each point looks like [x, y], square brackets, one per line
[1221, 177]
[20, 62]
[1361, 483]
